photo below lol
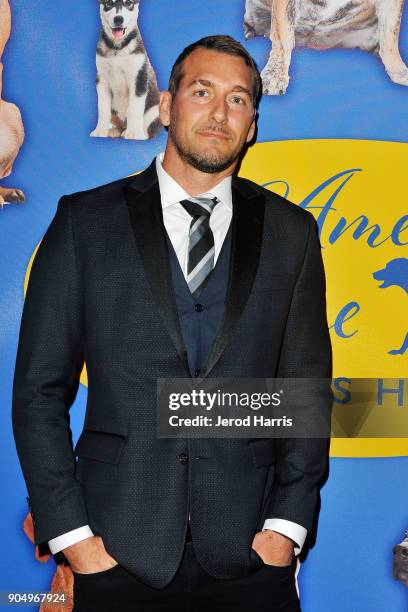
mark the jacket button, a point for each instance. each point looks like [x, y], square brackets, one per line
[183, 458]
[199, 307]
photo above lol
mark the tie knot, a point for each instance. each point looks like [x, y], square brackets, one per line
[199, 207]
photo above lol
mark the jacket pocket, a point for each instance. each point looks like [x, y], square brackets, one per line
[100, 445]
[263, 452]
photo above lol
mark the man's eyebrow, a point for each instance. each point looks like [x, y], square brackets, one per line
[207, 83]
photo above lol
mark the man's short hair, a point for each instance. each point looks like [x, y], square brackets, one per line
[222, 44]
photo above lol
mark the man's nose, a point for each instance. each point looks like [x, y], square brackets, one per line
[219, 110]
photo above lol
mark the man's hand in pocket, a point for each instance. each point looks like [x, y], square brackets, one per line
[273, 547]
[89, 556]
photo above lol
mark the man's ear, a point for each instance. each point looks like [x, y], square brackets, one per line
[164, 107]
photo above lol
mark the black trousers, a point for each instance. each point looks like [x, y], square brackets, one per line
[268, 589]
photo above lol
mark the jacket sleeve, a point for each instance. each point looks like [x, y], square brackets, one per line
[306, 353]
[48, 364]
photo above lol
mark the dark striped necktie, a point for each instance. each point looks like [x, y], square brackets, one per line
[200, 244]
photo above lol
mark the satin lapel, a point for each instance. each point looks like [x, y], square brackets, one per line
[247, 227]
[147, 223]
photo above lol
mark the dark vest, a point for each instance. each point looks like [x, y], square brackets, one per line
[200, 319]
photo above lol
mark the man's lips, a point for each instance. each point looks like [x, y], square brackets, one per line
[212, 134]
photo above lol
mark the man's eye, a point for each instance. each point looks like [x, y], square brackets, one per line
[201, 93]
[238, 100]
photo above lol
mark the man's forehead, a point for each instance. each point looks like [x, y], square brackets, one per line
[201, 55]
[208, 68]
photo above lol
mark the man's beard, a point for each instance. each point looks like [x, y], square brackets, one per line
[209, 163]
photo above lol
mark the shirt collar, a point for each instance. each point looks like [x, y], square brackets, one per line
[171, 192]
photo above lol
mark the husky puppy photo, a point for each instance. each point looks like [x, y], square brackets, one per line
[370, 25]
[126, 84]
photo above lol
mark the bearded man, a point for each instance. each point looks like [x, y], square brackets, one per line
[184, 270]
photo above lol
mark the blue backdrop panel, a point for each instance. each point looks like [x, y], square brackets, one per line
[49, 72]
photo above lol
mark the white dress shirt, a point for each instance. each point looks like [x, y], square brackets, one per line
[177, 220]
[177, 223]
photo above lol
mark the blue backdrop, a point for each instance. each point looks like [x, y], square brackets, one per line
[49, 72]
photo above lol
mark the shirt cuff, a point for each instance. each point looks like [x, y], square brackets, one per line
[71, 537]
[291, 530]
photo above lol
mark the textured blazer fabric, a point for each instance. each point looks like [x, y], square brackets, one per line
[100, 290]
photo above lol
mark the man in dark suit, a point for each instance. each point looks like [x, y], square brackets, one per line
[184, 270]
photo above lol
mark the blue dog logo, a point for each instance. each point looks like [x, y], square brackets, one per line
[395, 273]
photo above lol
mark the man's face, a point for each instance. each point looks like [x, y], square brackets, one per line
[212, 115]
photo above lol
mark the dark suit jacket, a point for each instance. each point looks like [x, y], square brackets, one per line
[100, 290]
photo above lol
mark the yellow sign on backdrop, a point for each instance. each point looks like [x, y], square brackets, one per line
[356, 189]
[357, 192]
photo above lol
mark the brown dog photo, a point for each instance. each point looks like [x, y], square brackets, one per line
[11, 124]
